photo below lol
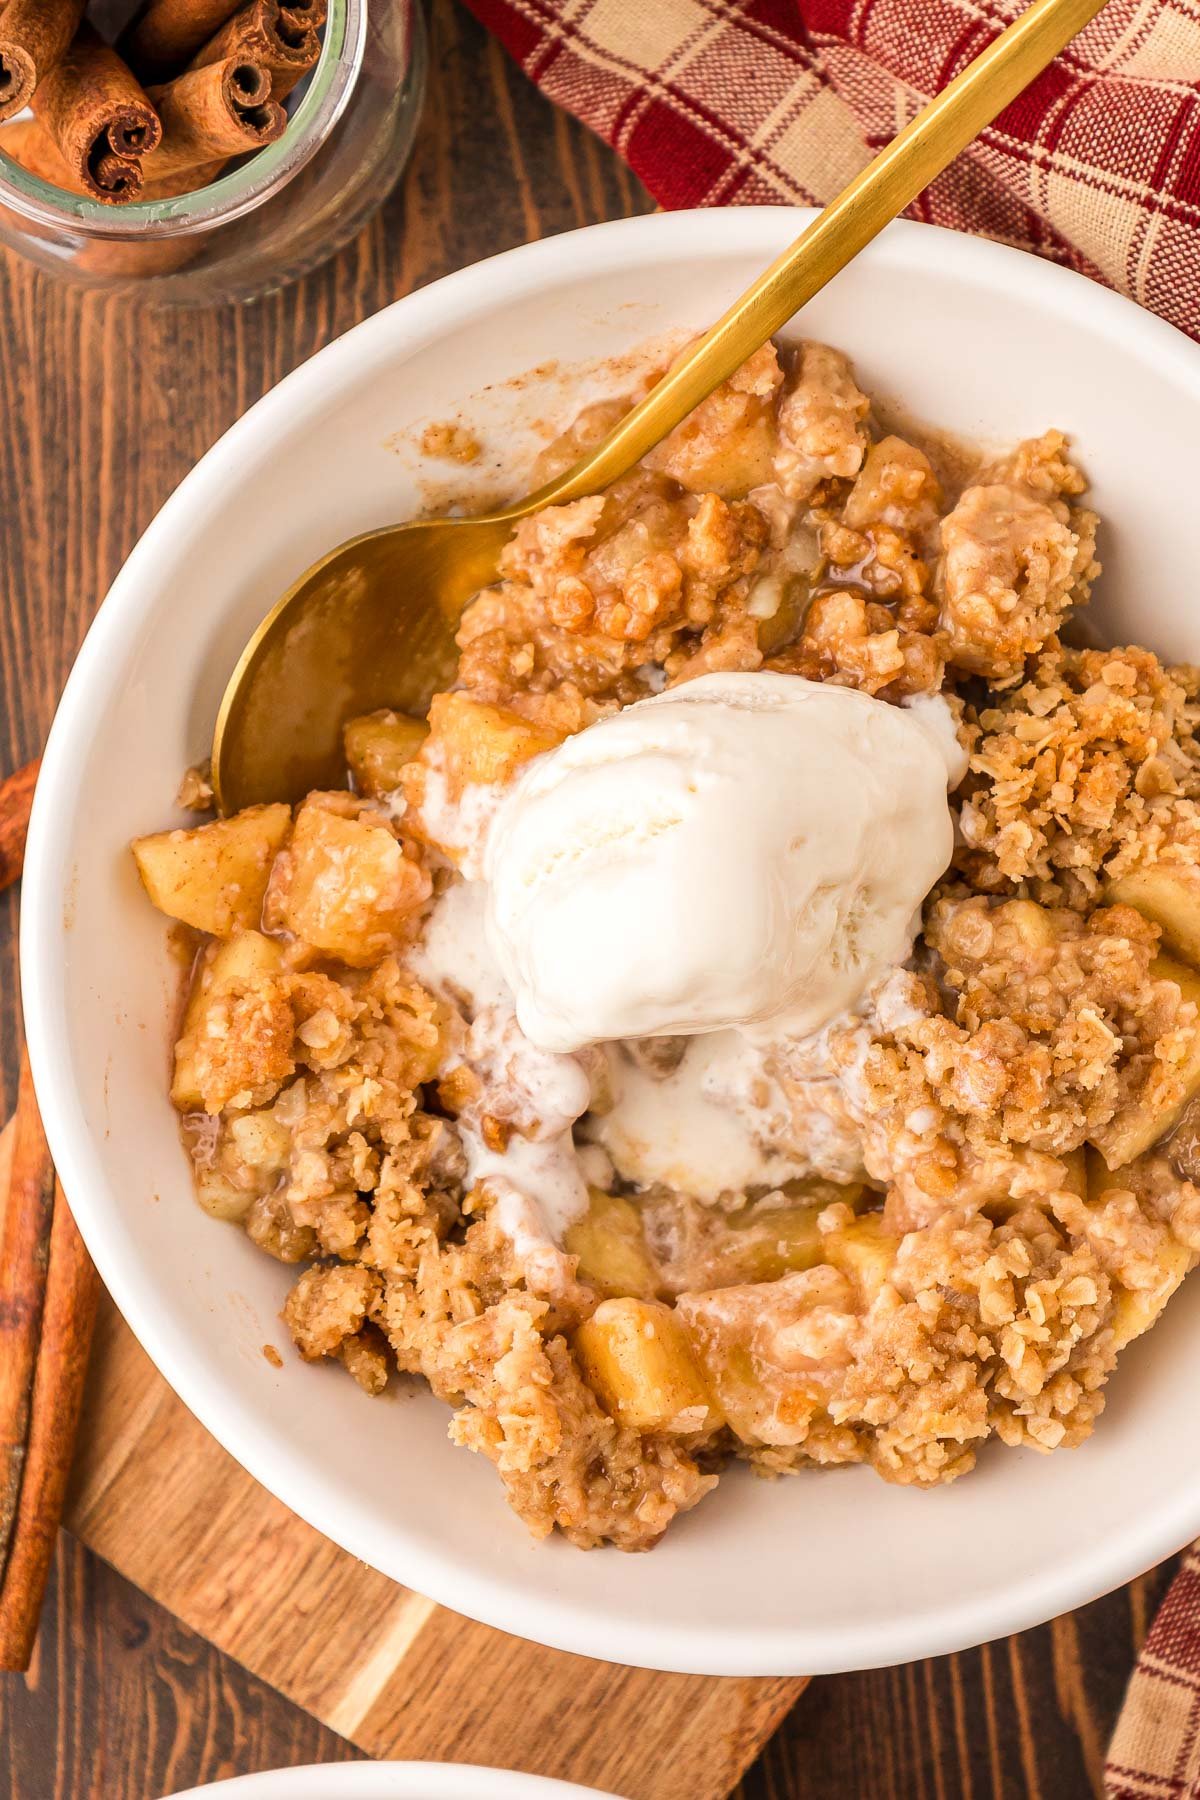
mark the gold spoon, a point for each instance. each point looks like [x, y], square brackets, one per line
[372, 624]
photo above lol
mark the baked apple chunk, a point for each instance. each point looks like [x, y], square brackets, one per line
[1169, 895]
[344, 885]
[379, 746]
[214, 877]
[483, 743]
[1158, 1109]
[242, 966]
[636, 1358]
[610, 1244]
[1135, 1309]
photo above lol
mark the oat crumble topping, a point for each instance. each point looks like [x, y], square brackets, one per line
[1000, 1141]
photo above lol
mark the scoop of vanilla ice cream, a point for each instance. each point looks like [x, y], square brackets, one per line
[740, 849]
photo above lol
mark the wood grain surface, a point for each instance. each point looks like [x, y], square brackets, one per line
[106, 408]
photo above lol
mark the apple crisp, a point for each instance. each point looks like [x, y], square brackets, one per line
[937, 1220]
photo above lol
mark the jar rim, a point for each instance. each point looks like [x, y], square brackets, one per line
[229, 196]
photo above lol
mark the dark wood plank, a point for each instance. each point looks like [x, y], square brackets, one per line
[122, 1703]
[1027, 1718]
[105, 410]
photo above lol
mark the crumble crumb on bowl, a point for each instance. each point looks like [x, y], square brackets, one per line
[450, 442]
[935, 1220]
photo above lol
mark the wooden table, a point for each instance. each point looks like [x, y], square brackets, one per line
[104, 410]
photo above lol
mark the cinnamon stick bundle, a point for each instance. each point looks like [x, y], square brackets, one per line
[166, 34]
[281, 39]
[16, 798]
[99, 117]
[34, 35]
[222, 109]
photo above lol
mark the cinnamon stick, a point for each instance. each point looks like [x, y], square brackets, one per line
[223, 109]
[16, 798]
[299, 14]
[69, 1315]
[166, 34]
[28, 143]
[99, 117]
[168, 187]
[282, 40]
[24, 1260]
[34, 34]
[31, 145]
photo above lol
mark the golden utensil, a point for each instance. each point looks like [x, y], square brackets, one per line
[372, 623]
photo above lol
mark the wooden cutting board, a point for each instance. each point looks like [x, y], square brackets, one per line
[158, 1498]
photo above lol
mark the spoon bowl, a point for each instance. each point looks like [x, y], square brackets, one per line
[370, 625]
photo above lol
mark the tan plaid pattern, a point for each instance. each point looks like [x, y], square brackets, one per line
[730, 102]
[1155, 1751]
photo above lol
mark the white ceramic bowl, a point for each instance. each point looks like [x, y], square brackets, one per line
[392, 1781]
[832, 1570]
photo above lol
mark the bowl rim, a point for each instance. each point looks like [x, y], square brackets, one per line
[392, 1781]
[1166, 1521]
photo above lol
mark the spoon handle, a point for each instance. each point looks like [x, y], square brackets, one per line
[889, 183]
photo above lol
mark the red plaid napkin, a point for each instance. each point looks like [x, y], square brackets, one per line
[730, 102]
[1155, 1751]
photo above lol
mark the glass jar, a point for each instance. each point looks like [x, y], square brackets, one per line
[280, 213]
